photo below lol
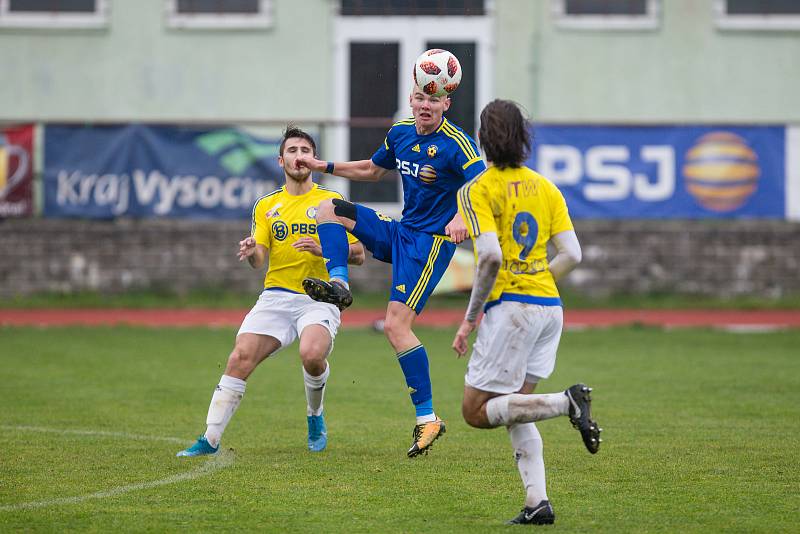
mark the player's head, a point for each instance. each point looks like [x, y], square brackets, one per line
[295, 143]
[427, 109]
[504, 135]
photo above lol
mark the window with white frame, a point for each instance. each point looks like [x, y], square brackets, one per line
[606, 14]
[54, 13]
[757, 14]
[222, 14]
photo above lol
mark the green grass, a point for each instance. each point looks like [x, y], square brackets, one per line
[218, 298]
[700, 432]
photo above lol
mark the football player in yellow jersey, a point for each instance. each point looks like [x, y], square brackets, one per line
[511, 213]
[284, 237]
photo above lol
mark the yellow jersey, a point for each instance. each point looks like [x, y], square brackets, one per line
[524, 209]
[280, 219]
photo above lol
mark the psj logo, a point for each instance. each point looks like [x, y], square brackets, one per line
[607, 173]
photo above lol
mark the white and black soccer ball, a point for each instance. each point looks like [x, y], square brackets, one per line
[437, 72]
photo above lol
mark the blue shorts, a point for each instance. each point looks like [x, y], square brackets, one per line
[418, 259]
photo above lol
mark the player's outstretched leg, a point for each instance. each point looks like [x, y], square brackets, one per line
[332, 292]
[541, 514]
[580, 415]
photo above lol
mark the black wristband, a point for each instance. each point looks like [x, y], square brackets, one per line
[329, 168]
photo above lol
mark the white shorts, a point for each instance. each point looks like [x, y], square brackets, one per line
[517, 343]
[284, 315]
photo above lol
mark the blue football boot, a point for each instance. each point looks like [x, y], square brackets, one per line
[201, 447]
[317, 433]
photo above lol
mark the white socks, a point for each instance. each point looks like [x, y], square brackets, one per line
[506, 410]
[224, 402]
[527, 443]
[315, 390]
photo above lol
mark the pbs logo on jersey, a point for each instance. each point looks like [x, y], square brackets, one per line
[437, 72]
[721, 171]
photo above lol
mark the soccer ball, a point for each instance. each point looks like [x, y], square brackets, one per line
[437, 72]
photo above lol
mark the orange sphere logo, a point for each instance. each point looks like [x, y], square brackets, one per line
[721, 171]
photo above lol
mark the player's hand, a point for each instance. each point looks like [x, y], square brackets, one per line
[310, 162]
[460, 341]
[247, 247]
[307, 244]
[456, 229]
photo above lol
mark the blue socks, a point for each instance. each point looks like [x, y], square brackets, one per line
[414, 363]
[335, 249]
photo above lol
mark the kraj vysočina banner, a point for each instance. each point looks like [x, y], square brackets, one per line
[138, 170]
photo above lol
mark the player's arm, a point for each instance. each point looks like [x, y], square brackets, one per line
[456, 229]
[255, 253]
[568, 253]
[364, 170]
[470, 165]
[490, 257]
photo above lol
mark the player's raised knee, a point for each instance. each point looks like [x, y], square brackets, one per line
[325, 211]
[475, 414]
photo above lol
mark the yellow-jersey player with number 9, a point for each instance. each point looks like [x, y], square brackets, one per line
[512, 213]
[524, 209]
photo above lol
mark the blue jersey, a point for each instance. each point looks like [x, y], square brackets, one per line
[433, 168]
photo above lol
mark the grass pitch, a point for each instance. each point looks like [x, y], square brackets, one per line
[699, 435]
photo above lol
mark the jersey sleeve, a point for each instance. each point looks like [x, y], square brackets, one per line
[384, 156]
[466, 157]
[474, 205]
[258, 226]
[559, 214]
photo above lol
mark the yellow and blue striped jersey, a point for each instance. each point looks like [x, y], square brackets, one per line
[280, 219]
[525, 209]
[433, 167]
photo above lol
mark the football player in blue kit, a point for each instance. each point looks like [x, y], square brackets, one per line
[434, 158]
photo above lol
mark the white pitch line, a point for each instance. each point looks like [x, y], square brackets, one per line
[92, 433]
[216, 462]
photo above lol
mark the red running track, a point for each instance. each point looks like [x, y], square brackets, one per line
[733, 319]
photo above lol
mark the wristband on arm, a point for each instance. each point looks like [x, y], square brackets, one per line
[329, 168]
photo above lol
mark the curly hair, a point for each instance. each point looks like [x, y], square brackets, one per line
[504, 135]
[293, 131]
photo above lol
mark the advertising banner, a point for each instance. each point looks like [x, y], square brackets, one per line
[156, 171]
[793, 173]
[658, 172]
[16, 171]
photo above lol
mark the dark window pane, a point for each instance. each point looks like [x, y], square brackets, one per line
[606, 7]
[763, 7]
[412, 7]
[52, 6]
[373, 94]
[462, 103]
[218, 6]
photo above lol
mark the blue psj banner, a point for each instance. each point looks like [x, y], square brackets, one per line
[156, 171]
[665, 172]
